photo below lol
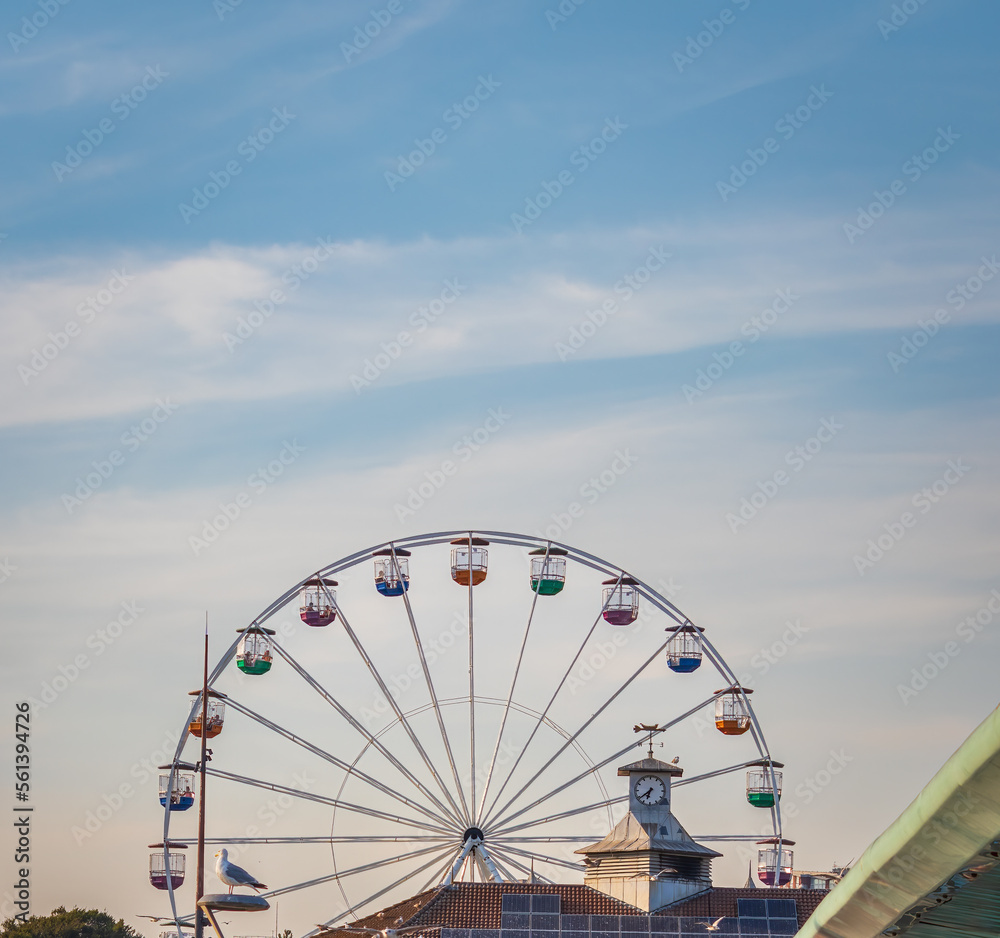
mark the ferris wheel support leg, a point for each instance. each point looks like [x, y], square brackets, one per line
[486, 865]
[457, 865]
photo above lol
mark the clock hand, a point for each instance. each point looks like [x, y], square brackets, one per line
[648, 792]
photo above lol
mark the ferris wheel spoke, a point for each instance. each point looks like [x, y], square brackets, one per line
[586, 723]
[545, 858]
[548, 706]
[472, 691]
[510, 693]
[530, 873]
[322, 799]
[572, 812]
[434, 698]
[600, 765]
[721, 838]
[715, 774]
[542, 840]
[333, 760]
[375, 895]
[343, 874]
[369, 738]
[360, 839]
[510, 877]
[396, 709]
[437, 876]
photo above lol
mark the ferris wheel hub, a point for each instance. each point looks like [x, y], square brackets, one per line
[473, 833]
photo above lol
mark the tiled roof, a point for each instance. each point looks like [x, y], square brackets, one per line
[478, 905]
[721, 900]
[393, 916]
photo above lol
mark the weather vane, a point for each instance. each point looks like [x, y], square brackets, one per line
[652, 730]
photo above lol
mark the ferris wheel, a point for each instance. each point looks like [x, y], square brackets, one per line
[453, 706]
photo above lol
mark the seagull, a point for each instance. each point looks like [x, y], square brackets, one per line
[233, 875]
[383, 932]
[714, 926]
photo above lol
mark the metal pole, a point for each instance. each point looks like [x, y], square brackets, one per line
[199, 926]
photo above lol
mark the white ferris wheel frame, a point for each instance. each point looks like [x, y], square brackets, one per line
[442, 824]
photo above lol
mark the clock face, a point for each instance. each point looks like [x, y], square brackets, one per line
[649, 790]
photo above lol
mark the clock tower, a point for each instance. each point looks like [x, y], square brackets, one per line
[648, 860]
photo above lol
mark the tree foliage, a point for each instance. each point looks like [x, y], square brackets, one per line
[77, 923]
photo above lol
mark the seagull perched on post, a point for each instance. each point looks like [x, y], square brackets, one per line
[233, 875]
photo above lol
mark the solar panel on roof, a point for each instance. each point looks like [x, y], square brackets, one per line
[781, 908]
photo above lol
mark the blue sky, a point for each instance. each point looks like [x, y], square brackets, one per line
[231, 227]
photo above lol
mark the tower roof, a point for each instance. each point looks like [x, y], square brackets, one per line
[630, 836]
[651, 765]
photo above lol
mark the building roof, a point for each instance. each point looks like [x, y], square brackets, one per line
[630, 836]
[651, 765]
[398, 915]
[721, 901]
[934, 870]
[477, 905]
